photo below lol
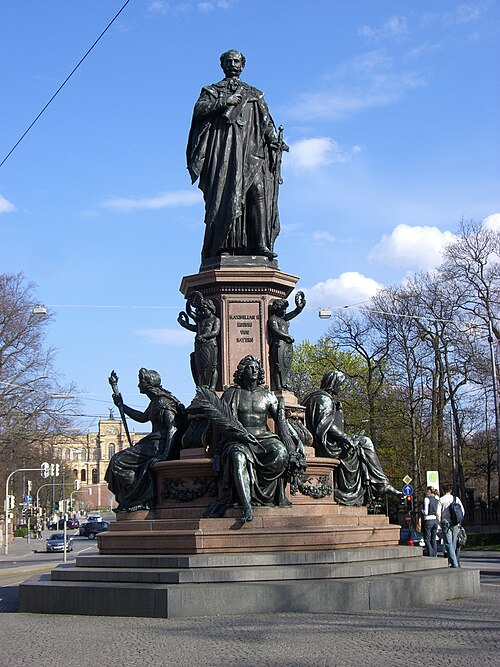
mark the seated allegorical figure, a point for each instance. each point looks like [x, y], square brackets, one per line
[129, 474]
[359, 477]
[253, 462]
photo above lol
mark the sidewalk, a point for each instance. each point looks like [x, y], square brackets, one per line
[487, 562]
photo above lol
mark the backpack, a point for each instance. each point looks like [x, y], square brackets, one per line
[461, 537]
[456, 513]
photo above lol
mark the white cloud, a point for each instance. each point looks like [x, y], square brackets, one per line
[492, 222]
[371, 80]
[393, 27]
[416, 248]
[6, 206]
[317, 152]
[349, 288]
[158, 7]
[463, 14]
[164, 200]
[170, 337]
[323, 237]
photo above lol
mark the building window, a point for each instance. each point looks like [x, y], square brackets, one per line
[75, 473]
[67, 454]
[58, 453]
[111, 450]
[83, 476]
[84, 454]
[95, 479]
[75, 455]
[96, 454]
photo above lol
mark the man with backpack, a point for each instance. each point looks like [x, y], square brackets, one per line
[430, 522]
[450, 513]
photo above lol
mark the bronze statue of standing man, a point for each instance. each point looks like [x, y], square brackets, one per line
[235, 151]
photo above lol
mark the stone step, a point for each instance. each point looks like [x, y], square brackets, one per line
[259, 521]
[246, 573]
[282, 559]
[246, 538]
[432, 585]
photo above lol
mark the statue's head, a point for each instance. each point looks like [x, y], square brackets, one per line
[246, 364]
[148, 380]
[332, 381]
[232, 62]
[208, 305]
[279, 306]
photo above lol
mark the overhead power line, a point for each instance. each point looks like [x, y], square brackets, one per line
[64, 83]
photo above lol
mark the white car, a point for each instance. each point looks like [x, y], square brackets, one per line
[94, 517]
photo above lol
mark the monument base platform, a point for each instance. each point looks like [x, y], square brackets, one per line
[246, 583]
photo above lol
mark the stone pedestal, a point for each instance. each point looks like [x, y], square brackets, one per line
[242, 295]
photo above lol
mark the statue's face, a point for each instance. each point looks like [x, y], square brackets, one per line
[251, 371]
[232, 64]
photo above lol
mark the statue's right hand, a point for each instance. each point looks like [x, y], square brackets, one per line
[233, 100]
[182, 318]
[251, 439]
[118, 400]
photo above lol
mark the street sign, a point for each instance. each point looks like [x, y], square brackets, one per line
[408, 519]
[408, 490]
[433, 478]
[407, 479]
[28, 499]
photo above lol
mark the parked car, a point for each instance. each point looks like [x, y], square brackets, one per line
[91, 529]
[411, 537]
[94, 517]
[56, 543]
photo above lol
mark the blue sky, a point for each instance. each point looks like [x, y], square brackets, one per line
[390, 109]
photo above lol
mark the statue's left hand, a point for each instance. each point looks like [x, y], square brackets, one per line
[300, 300]
[277, 146]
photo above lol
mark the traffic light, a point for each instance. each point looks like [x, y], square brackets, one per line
[54, 469]
[77, 484]
[45, 470]
[409, 500]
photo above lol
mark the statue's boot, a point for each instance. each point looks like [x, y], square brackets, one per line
[391, 490]
[247, 514]
[264, 250]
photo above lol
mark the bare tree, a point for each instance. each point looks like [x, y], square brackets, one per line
[29, 384]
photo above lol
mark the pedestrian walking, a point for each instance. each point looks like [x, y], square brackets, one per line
[429, 521]
[450, 513]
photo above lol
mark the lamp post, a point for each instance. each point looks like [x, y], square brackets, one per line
[6, 536]
[495, 395]
[41, 487]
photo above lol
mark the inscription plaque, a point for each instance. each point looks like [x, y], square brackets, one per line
[244, 330]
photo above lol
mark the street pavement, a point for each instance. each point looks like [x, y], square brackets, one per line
[454, 633]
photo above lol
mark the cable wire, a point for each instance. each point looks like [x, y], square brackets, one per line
[64, 83]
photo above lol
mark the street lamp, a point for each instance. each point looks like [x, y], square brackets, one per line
[495, 395]
[6, 536]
